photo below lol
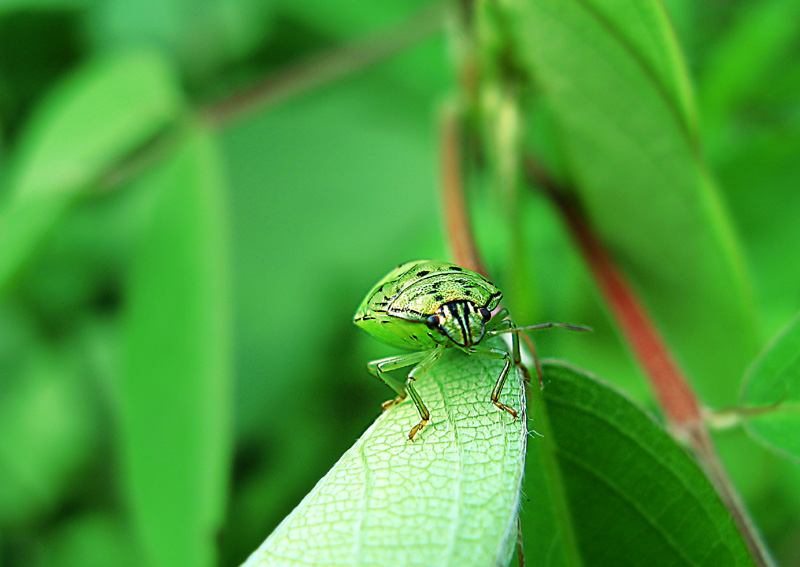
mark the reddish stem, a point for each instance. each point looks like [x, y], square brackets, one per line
[327, 67]
[456, 217]
[672, 389]
[675, 395]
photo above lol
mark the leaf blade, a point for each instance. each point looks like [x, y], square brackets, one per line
[409, 508]
[631, 484]
[95, 117]
[773, 383]
[174, 396]
[635, 163]
[548, 530]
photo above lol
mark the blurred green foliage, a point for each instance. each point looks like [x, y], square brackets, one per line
[254, 242]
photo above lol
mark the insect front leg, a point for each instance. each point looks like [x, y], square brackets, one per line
[378, 367]
[500, 323]
[417, 371]
[498, 354]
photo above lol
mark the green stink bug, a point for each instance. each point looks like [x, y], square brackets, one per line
[428, 306]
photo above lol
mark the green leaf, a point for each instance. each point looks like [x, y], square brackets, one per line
[548, 529]
[90, 539]
[611, 76]
[773, 383]
[769, 162]
[450, 497]
[46, 430]
[742, 61]
[99, 114]
[635, 496]
[174, 399]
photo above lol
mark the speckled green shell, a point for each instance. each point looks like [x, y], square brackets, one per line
[396, 309]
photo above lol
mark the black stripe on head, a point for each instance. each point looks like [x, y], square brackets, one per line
[469, 310]
[463, 320]
[456, 316]
[455, 322]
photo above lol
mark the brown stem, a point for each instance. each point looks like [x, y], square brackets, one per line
[461, 238]
[456, 216]
[673, 391]
[327, 67]
[674, 394]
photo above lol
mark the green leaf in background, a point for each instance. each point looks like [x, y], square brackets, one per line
[548, 530]
[174, 400]
[611, 76]
[774, 380]
[756, 179]
[329, 155]
[99, 114]
[46, 429]
[450, 497]
[92, 539]
[635, 496]
[743, 60]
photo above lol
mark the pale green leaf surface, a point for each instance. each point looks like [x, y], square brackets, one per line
[174, 397]
[99, 114]
[450, 497]
[632, 153]
[635, 497]
[774, 380]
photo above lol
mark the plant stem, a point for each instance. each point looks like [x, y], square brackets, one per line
[456, 217]
[458, 227]
[672, 390]
[327, 67]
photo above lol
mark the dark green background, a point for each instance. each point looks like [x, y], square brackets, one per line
[323, 193]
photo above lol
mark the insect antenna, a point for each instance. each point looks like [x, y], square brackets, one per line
[541, 326]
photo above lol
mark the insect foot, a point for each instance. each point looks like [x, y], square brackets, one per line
[504, 407]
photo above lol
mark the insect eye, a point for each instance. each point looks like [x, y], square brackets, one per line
[432, 322]
[485, 314]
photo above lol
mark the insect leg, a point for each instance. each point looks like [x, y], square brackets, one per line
[499, 354]
[505, 324]
[378, 367]
[418, 370]
[508, 324]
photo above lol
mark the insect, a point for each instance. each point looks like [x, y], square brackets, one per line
[428, 306]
